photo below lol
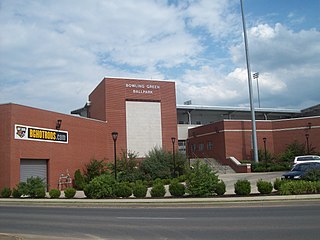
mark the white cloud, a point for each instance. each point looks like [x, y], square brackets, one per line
[218, 17]
[207, 86]
[53, 53]
[288, 62]
[66, 47]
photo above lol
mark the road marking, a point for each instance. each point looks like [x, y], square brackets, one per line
[150, 218]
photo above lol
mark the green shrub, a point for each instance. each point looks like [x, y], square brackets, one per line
[100, 187]
[177, 189]
[40, 193]
[182, 178]
[280, 167]
[242, 187]
[122, 190]
[277, 183]
[299, 187]
[54, 193]
[317, 186]
[201, 181]
[139, 190]
[148, 183]
[293, 149]
[16, 193]
[270, 167]
[5, 192]
[157, 181]
[130, 175]
[30, 188]
[166, 181]
[94, 169]
[158, 190]
[127, 167]
[264, 187]
[157, 164]
[312, 175]
[258, 167]
[69, 192]
[220, 188]
[286, 188]
[79, 180]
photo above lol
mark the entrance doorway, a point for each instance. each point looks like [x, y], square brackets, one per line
[33, 168]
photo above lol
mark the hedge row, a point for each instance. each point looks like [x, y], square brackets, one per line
[105, 186]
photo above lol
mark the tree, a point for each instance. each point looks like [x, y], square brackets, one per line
[94, 168]
[157, 164]
[201, 180]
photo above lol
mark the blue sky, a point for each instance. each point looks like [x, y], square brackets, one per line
[54, 53]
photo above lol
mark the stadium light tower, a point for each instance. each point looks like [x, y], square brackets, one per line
[256, 76]
[253, 118]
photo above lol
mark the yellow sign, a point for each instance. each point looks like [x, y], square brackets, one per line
[40, 134]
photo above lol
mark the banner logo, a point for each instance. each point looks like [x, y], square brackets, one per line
[21, 131]
[40, 134]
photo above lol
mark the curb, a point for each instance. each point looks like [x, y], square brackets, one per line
[162, 201]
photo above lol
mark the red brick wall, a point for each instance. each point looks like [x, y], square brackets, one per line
[98, 102]
[88, 138]
[117, 93]
[233, 137]
[288, 131]
[6, 131]
[86, 141]
[204, 134]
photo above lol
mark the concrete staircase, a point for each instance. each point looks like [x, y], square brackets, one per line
[215, 165]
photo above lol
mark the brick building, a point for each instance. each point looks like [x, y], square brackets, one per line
[232, 138]
[37, 142]
[144, 113]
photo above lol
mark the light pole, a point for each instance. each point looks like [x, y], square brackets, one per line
[256, 76]
[114, 137]
[307, 139]
[265, 148]
[173, 139]
[253, 117]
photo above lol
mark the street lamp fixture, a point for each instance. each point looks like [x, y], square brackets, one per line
[173, 139]
[58, 124]
[307, 139]
[265, 148]
[114, 137]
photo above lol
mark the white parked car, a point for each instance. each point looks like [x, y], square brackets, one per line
[306, 158]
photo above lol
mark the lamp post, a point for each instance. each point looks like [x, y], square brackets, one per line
[114, 137]
[256, 76]
[265, 148]
[173, 139]
[187, 152]
[307, 139]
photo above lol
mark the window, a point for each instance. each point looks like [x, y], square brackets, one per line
[209, 145]
[193, 147]
[201, 147]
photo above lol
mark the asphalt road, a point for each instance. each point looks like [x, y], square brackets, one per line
[258, 222]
